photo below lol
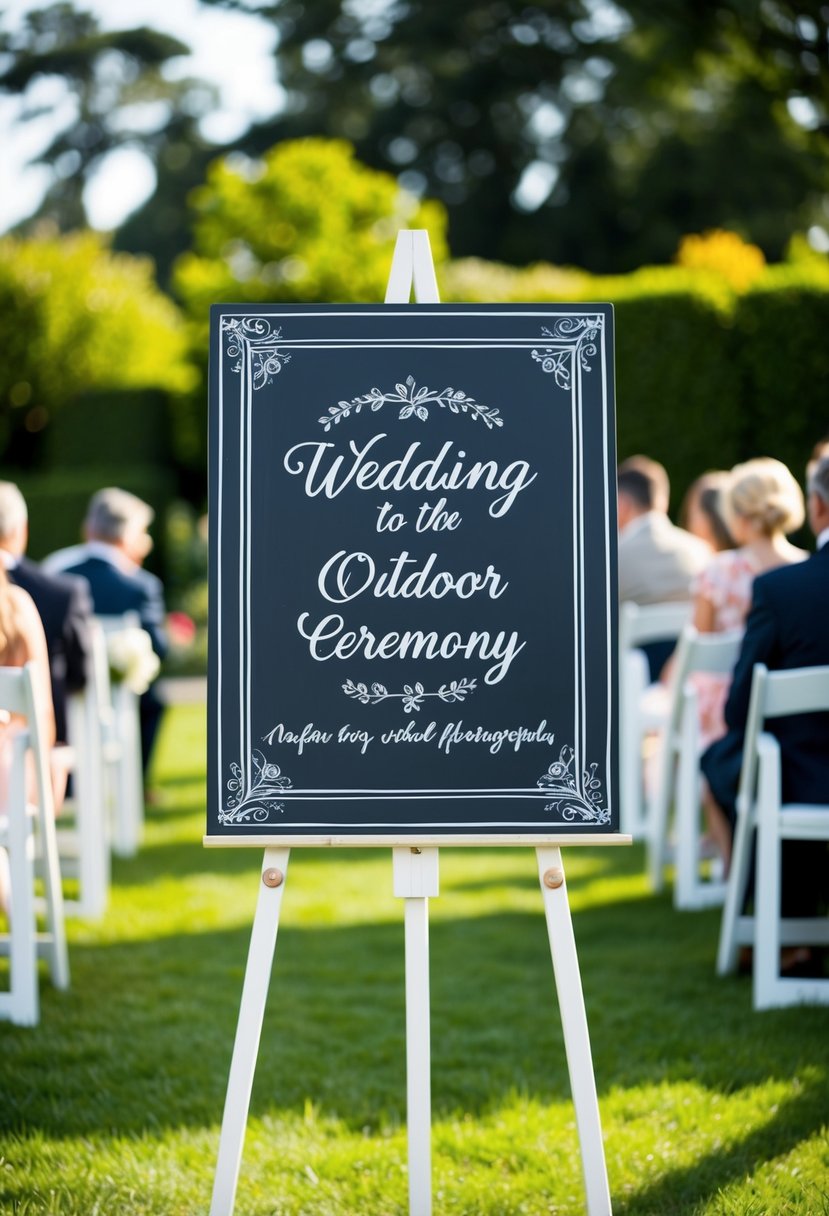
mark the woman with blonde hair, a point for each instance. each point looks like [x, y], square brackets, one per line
[763, 503]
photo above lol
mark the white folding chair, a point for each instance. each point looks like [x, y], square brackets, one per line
[759, 806]
[640, 715]
[85, 849]
[124, 746]
[28, 835]
[678, 780]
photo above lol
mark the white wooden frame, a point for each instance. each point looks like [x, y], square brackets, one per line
[32, 843]
[415, 877]
[773, 694]
[679, 779]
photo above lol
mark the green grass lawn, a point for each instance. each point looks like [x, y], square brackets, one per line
[113, 1104]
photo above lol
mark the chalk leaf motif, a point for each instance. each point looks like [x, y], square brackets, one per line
[259, 802]
[414, 402]
[257, 336]
[412, 696]
[573, 801]
[572, 337]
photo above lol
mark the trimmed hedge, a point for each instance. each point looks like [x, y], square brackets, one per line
[705, 377]
[57, 503]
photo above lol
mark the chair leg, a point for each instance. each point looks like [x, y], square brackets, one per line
[767, 991]
[658, 833]
[630, 766]
[686, 820]
[735, 892]
[93, 846]
[57, 952]
[129, 819]
[24, 997]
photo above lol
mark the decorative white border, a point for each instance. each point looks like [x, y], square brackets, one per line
[259, 350]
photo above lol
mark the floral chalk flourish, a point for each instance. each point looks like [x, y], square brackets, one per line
[414, 402]
[568, 801]
[569, 336]
[412, 696]
[258, 336]
[260, 800]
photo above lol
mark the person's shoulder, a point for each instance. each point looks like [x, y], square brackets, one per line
[60, 582]
[724, 561]
[64, 559]
[785, 580]
[147, 581]
[693, 552]
[691, 543]
[22, 603]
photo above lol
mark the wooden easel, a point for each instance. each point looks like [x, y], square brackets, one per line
[415, 878]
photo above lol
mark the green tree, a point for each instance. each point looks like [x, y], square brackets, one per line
[307, 223]
[75, 317]
[644, 119]
[117, 91]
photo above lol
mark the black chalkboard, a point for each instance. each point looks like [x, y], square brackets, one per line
[413, 572]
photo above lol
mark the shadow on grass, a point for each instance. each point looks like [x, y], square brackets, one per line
[144, 1038]
[795, 1120]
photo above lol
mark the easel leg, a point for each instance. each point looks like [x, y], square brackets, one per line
[574, 1024]
[248, 1030]
[415, 879]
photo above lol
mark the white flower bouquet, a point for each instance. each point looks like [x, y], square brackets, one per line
[132, 660]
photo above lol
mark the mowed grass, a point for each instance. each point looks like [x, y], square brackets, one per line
[113, 1104]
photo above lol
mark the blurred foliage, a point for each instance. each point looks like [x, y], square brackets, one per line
[58, 499]
[306, 223]
[75, 317]
[725, 253]
[706, 373]
[186, 584]
[120, 97]
[571, 130]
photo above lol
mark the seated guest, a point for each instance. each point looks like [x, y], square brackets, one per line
[63, 603]
[763, 503]
[22, 641]
[786, 628]
[116, 542]
[703, 510]
[657, 560]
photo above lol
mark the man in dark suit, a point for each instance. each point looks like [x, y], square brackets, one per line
[116, 542]
[63, 603]
[786, 628]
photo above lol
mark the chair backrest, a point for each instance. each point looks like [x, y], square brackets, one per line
[776, 694]
[99, 667]
[20, 694]
[643, 623]
[114, 624]
[710, 653]
[803, 690]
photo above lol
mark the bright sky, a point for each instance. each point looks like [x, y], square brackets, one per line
[231, 50]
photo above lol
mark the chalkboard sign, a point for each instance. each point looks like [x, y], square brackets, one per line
[413, 573]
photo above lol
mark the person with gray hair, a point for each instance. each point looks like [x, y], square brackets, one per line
[63, 603]
[785, 629]
[116, 543]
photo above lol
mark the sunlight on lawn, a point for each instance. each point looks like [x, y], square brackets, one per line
[113, 1103]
